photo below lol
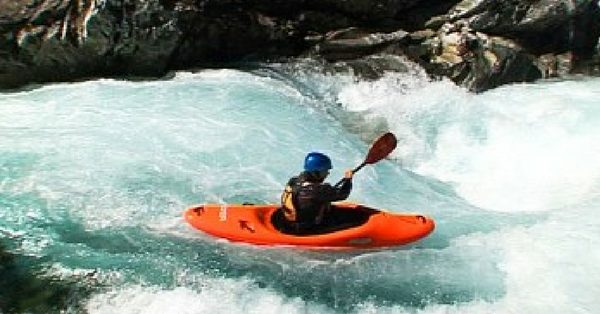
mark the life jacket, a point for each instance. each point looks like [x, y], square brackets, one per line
[299, 201]
[289, 210]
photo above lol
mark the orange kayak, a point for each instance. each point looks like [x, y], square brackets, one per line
[356, 226]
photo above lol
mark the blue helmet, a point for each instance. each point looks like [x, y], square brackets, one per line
[316, 161]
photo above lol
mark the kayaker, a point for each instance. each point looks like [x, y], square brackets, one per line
[306, 199]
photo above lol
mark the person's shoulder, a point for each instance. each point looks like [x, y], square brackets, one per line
[293, 180]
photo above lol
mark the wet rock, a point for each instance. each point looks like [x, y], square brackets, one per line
[540, 26]
[21, 291]
[500, 17]
[85, 40]
[469, 41]
[353, 43]
[436, 22]
[371, 67]
[555, 65]
[472, 59]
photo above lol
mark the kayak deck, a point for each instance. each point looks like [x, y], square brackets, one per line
[350, 226]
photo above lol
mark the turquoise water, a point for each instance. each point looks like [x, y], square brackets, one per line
[94, 177]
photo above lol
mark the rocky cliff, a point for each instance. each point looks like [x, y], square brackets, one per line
[479, 44]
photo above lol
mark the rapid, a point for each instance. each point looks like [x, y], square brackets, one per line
[95, 176]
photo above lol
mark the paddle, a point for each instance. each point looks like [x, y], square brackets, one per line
[380, 149]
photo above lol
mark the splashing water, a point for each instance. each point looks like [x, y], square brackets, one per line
[94, 177]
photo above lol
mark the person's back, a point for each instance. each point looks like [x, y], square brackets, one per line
[306, 199]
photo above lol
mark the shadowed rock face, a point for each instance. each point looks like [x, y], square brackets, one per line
[21, 291]
[478, 44]
[474, 59]
[541, 26]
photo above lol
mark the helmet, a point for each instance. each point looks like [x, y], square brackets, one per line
[317, 162]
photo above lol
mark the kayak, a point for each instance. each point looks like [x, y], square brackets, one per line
[349, 226]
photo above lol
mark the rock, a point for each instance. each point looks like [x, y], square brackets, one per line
[371, 67]
[421, 35]
[21, 291]
[541, 26]
[473, 59]
[353, 43]
[365, 10]
[436, 22]
[61, 40]
[500, 17]
[83, 40]
[221, 37]
[426, 14]
[556, 65]
[504, 62]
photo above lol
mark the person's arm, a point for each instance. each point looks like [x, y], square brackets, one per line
[328, 193]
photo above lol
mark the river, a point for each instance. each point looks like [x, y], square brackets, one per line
[95, 175]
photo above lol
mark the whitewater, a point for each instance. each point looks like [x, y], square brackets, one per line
[95, 176]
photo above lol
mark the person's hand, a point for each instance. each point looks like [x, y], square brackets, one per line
[348, 174]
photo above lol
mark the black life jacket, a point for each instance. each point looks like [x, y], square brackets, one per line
[300, 201]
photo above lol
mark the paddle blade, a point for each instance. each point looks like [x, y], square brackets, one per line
[381, 148]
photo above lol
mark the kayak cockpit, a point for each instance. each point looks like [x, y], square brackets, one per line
[337, 219]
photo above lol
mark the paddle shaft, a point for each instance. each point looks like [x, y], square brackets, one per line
[359, 167]
[355, 170]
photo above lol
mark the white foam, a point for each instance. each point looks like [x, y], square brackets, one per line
[550, 267]
[514, 149]
[215, 295]
[126, 159]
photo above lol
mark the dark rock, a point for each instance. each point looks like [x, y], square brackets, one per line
[323, 22]
[471, 59]
[514, 16]
[555, 65]
[61, 40]
[121, 39]
[421, 35]
[371, 67]
[232, 36]
[589, 66]
[427, 14]
[353, 43]
[540, 26]
[436, 22]
[369, 11]
[499, 62]
[21, 291]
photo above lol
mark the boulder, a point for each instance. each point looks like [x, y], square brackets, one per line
[78, 39]
[541, 26]
[472, 59]
[353, 43]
